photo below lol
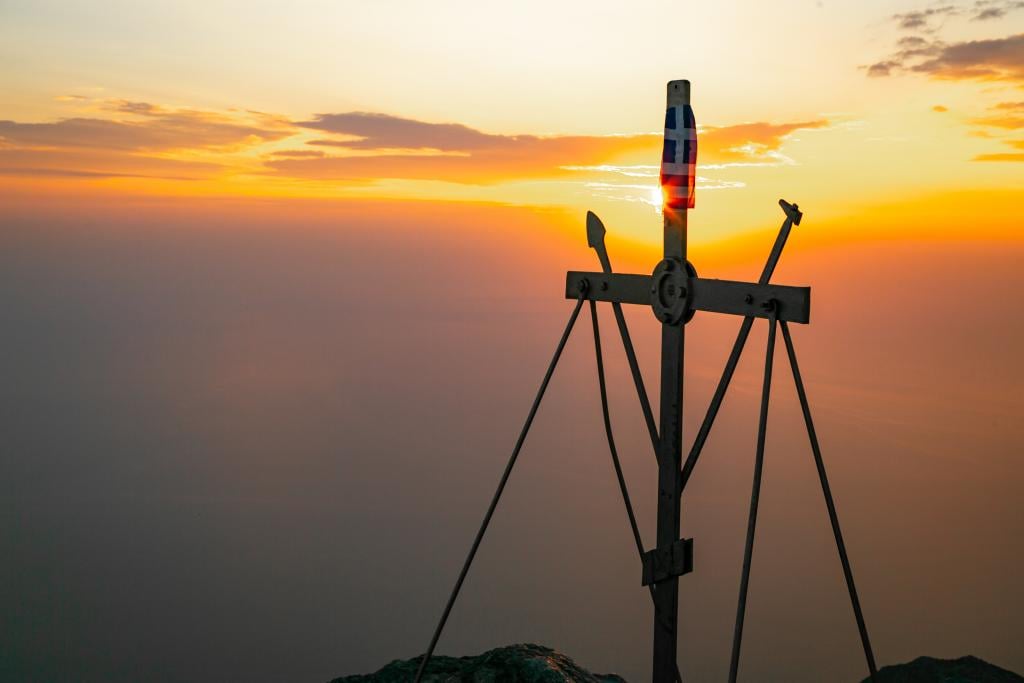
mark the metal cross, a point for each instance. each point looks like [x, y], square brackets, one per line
[676, 293]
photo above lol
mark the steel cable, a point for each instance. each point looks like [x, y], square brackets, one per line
[833, 516]
[615, 457]
[755, 495]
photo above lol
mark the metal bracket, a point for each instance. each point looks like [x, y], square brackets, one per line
[668, 561]
[671, 291]
[792, 211]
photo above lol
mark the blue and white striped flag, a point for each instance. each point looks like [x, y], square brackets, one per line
[679, 158]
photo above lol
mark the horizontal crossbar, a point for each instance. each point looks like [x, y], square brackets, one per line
[715, 296]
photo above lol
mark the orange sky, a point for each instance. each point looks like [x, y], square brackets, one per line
[882, 104]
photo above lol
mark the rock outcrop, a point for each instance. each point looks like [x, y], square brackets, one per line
[513, 664]
[930, 670]
[538, 664]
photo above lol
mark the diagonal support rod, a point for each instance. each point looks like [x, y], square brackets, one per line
[602, 386]
[829, 502]
[755, 495]
[595, 238]
[638, 380]
[793, 216]
[501, 485]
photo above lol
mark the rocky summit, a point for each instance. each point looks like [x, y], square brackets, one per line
[539, 664]
[930, 670]
[513, 664]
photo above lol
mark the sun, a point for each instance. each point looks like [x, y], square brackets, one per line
[657, 197]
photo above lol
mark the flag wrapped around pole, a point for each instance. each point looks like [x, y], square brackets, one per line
[679, 158]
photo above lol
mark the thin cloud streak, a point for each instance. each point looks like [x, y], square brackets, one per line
[1001, 156]
[75, 162]
[148, 128]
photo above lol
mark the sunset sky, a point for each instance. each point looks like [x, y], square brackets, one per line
[239, 241]
[856, 104]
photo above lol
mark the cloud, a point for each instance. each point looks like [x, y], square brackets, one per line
[1005, 156]
[747, 143]
[297, 154]
[1001, 156]
[922, 19]
[998, 59]
[382, 131]
[519, 157]
[908, 49]
[89, 163]
[984, 10]
[912, 42]
[928, 20]
[146, 128]
[140, 108]
[69, 173]
[1007, 122]
[381, 146]
[883, 68]
[129, 138]
[988, 60]
[1008, 116]
[137, 139]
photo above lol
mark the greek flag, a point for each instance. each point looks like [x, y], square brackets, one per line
[679, 158]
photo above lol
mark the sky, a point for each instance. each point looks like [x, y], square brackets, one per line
[279, 284]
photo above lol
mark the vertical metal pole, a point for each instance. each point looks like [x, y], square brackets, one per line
[666, 596]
